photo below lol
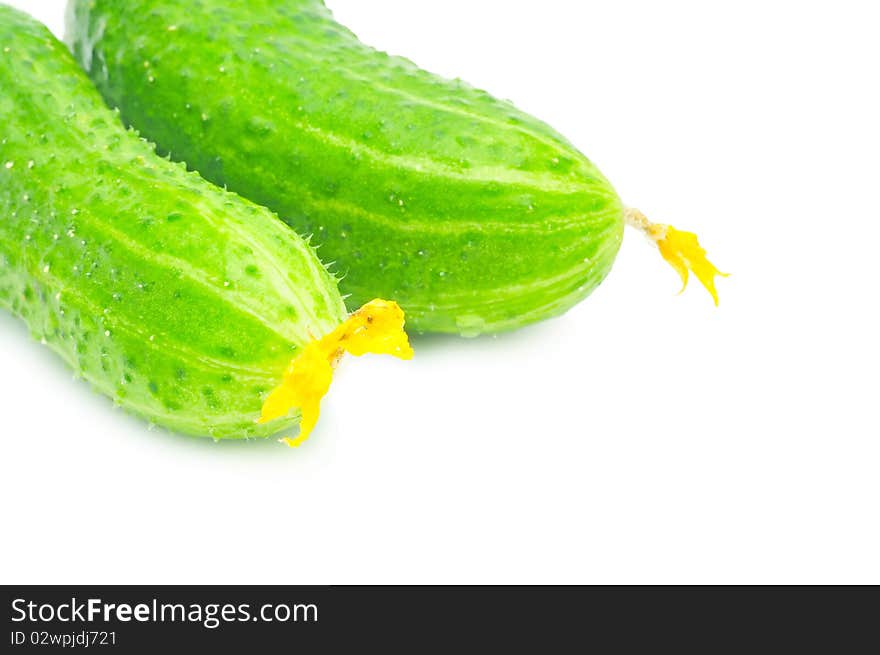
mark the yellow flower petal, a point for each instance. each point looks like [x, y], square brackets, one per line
[684, 253]
[377, 328]
[680, 249]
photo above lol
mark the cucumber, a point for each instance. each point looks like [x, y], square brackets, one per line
[473, 215]
[181, 301]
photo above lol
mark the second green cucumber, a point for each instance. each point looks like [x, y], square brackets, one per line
[474, 216]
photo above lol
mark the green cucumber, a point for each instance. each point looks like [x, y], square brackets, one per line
[474, 216]
[181, 301]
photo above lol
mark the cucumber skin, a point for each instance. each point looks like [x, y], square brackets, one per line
[181, 301]
[474, 216]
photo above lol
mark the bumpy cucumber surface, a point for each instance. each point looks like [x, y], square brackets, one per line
[474, 216]
[179, 300]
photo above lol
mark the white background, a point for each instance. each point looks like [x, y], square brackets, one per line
[642, 438]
